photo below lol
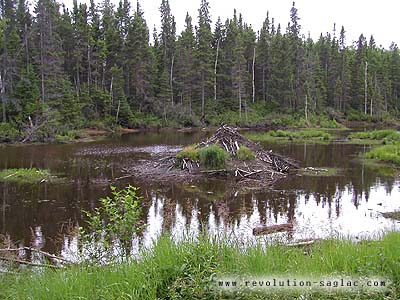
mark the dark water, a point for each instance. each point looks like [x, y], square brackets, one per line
[45, 215]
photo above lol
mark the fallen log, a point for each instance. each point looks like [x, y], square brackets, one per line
[272, 229]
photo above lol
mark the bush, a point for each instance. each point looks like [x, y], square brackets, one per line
[213, 156]
[188, 153]
[8, 133]
[117, 221]
[245, 153]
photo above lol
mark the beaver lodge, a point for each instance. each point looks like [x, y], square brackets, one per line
[225, 154]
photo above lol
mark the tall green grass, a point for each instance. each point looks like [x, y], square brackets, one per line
[386, 153]
[186, 270]
[384, 135]
[295, 135]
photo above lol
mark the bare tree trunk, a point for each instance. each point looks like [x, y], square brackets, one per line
[366, 87]
[202, 94]
[89, 79]
[42, 66]
[263, 84]
[215, 72]
[240, 93]
[171, 81]
[254, 85]
[306, 109]
[111, 94]
[3, 98]
[376, 88]
[26, 46]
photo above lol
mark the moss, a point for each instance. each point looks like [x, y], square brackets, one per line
[26, 175]
[245, 153]
[213, 157]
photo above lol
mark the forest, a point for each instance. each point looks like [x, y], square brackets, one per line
[100, 66]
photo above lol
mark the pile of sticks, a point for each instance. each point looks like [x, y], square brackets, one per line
[229, 139]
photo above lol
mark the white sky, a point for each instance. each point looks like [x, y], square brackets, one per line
[380, 18]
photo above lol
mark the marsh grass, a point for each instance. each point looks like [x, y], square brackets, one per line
[292, 135]
[383, 136]
[26, 175]
[245, 153]
[189, 152]
[186, 270]
[213, 156]
[386, 153]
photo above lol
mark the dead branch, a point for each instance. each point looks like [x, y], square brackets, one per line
[272, 229]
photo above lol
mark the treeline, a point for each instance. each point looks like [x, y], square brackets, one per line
[97, 64]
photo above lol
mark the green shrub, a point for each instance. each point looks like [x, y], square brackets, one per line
[213, 156]
[8, 133]
[189, 152]
[117, 220]
[245, 153]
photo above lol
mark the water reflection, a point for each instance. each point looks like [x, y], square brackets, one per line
[349, 203]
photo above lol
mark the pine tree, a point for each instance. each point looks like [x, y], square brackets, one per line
[204, 53]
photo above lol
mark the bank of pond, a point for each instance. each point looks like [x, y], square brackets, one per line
[195, 268]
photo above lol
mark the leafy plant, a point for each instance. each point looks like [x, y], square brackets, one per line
[213, 156]
[113, 225]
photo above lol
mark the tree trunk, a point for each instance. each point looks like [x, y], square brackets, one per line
[306, 109]
[366, 88]
[215, 72]
[263, 84]
[202, 94]
[254, 85]
[240, 93]
[171, 81]
[3, 99]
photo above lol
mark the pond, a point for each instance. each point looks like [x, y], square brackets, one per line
[349, 202]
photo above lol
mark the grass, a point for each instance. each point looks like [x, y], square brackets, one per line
[187, 271]
[296, 136]
[383, 136]
[245, 153]
[386, 153]
[320, 172]
[189, 152]
[25, 175]
[213, 157]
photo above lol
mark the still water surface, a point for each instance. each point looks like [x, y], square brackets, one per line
[347, 204]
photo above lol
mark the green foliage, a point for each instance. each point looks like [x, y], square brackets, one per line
[69, 136]
[115, 222]
[25, 175]
[386, 153]
[245, 153]
[8, 133]
[295, 135]
[189, 152]
[384, 135]
[190, 269]
[213, 157]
